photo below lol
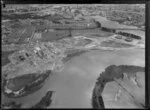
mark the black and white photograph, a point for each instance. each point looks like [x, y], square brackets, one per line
[73, 56]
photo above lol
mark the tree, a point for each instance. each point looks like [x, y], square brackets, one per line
[97, 23]
[70, 35]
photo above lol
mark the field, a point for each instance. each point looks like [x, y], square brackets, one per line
[52, 36]
[111, 43]
[91, 33]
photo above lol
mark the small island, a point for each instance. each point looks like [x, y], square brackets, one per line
[14, 88]
[107, 83]
[45, 101]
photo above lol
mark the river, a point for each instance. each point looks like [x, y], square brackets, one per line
[73, 86]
